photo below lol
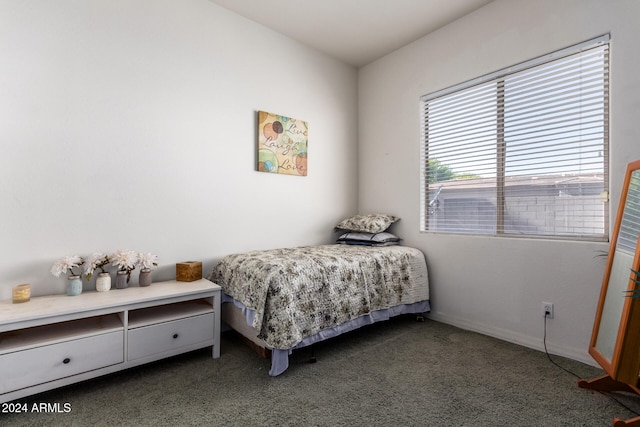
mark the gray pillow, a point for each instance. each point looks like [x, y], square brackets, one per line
[370, 223]
[369, 239]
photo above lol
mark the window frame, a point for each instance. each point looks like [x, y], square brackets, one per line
[429, 193]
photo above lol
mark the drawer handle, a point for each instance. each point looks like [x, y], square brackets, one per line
[66, 360]
[175, 336]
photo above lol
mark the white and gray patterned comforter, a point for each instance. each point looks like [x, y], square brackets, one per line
[298, 292]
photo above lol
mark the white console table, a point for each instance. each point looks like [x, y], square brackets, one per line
[52, 341]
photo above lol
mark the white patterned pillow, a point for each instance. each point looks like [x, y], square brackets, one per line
[370, 223]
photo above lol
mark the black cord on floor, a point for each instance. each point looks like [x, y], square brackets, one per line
[544, 342]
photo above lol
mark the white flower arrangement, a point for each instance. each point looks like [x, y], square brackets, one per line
[125, 261]
[93, 261]
[67, 264]
[147, 261]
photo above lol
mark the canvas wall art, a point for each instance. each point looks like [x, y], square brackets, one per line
[282, 144]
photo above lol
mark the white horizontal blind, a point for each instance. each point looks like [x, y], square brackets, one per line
[523, 151]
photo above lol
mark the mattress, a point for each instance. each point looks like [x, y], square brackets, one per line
[292, 296]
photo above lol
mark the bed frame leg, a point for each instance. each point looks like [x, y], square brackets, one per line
[312, 356]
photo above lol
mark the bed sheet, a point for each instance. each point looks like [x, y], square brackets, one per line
[296, 293]
[280, 358]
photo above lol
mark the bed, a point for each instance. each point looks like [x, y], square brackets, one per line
[289, 298]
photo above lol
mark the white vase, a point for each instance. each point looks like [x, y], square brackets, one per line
[103, 282]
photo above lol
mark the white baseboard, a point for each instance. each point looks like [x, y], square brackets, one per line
[533, 342]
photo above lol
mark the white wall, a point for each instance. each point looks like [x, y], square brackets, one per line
[132, 125]
[496, 285]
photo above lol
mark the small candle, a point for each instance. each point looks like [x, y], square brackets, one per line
[21, 293]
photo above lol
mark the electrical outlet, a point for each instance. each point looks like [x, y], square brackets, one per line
[547, 310]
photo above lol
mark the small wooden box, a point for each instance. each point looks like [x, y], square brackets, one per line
[188, 271]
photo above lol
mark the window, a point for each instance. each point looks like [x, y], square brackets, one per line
[522, 151]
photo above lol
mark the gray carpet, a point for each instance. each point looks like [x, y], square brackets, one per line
[400, 372]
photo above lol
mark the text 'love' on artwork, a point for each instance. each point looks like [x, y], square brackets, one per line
[282, 144]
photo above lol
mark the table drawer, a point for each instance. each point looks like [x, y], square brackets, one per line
[46, 363]
[163, 337]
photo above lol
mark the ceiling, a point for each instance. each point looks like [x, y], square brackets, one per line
[356, 32]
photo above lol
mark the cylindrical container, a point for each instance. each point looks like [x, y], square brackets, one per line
[21, 293]
[103, 282]
[145, 277]
[74, 286]
[121, 280]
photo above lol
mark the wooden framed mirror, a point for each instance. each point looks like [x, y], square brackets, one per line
[615, 341]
